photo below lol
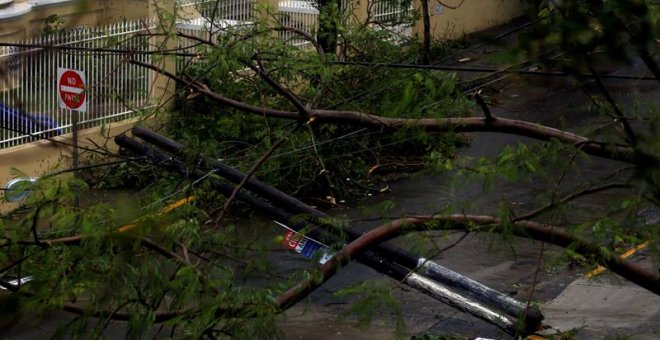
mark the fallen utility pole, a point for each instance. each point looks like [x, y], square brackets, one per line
[381, 258]
[476, 290]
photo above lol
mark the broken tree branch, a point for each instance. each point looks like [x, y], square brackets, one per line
[261, 71]
[247, 177]
[632, 138]
[484, 107]
[546, 233]
[549, 234]
[463, 124]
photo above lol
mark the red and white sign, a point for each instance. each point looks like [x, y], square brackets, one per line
[71, 89]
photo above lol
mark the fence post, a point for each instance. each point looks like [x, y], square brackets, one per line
[360, 10]
[267, 10]
[163, 89]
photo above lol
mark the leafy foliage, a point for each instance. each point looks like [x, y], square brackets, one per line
[315, 160]
[620, 27]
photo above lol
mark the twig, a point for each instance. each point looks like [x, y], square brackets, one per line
[305, 113]
[248, 175]
[535, 278]
[484, 107]
[457, 6]
[454, 244]
[570, 197]
[149, 244]
[33, 228]
[632, 138]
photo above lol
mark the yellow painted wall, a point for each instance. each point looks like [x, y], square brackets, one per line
[73, 13]
[446, 23]
[35, 159]
[470, 16]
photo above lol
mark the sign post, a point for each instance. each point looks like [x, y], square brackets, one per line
[71, 95]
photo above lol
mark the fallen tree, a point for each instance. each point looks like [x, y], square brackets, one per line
[187, 269]
[489, 123]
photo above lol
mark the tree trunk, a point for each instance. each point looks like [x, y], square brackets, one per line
[426, 47]
[328, 33]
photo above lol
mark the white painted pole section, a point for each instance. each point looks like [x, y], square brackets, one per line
[18, 282]
[444, 294]
[484, 293]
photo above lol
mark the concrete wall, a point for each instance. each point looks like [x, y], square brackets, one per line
[471, 16]
[25, 20]
[446, 22]
[35, 159]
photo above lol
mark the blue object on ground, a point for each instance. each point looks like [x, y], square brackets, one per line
[18, 121]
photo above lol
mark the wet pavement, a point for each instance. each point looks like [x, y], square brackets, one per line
[605, 307]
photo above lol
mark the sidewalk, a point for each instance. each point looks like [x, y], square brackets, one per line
[604, 307]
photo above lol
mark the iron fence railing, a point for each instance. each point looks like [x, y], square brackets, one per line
[115, 89]
[237, 10]
[299, 14]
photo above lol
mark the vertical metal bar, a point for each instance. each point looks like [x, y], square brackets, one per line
[102, 86]
[4, 119]
[114, 88]
[81, 66]
[116, 76]
[92, 81]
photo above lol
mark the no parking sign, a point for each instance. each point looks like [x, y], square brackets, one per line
[71, 89]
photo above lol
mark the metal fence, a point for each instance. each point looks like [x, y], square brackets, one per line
[304, 15]
[299, 14]
[217, 16]
[236, 10]
[394, 15]
[204, 29]
[115, 89]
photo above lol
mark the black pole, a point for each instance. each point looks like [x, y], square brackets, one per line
[368, 257]
[478, 291]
